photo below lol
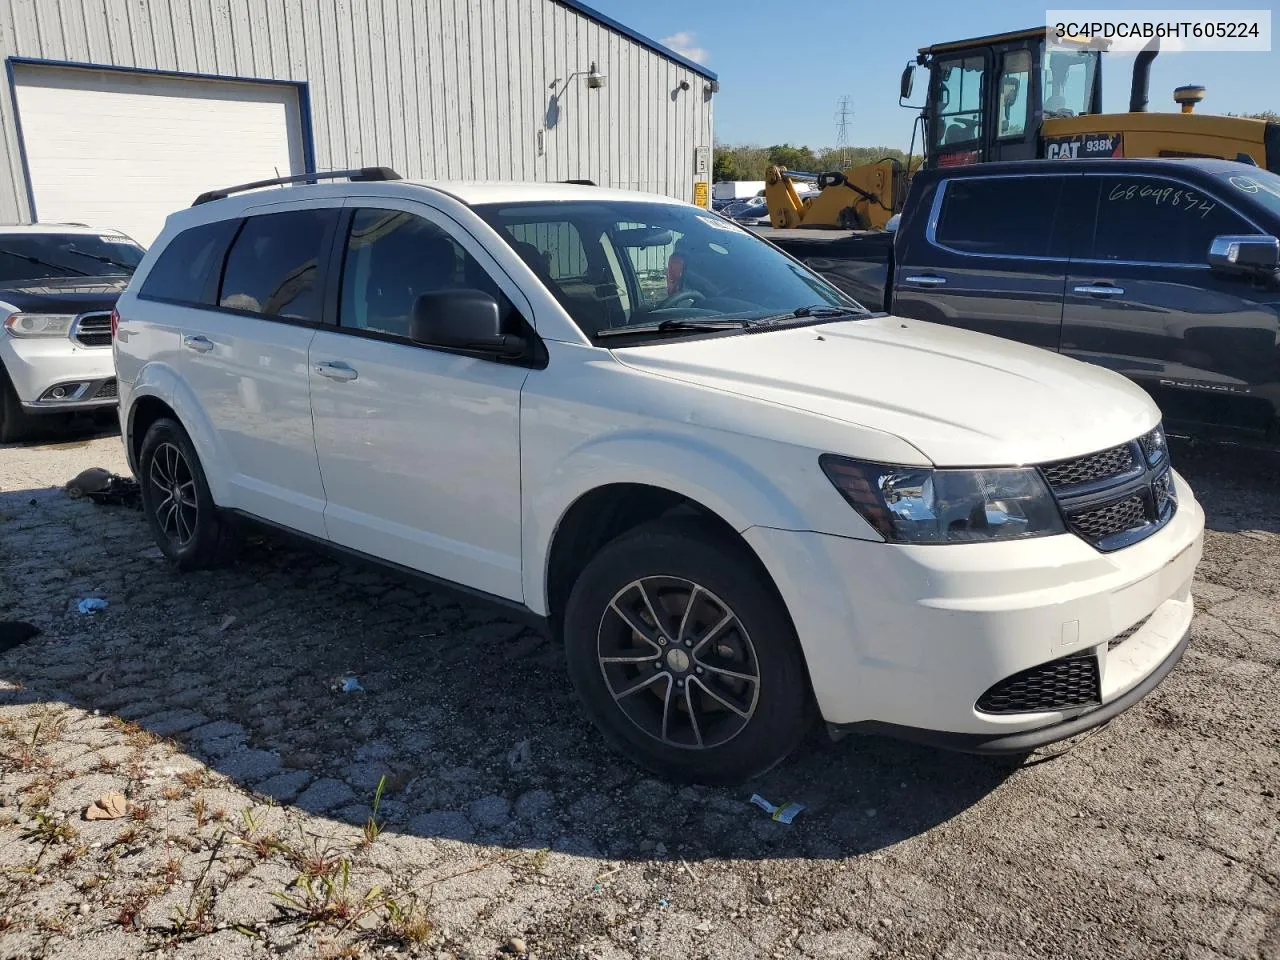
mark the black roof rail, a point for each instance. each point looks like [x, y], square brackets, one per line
[364, 174]
[581, 183]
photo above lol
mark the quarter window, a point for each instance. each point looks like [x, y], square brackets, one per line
[1159, 221]
[392, 259]
[182, 271]
[1000, 215]
[273, 268]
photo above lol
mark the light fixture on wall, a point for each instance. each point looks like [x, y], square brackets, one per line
[595, 79]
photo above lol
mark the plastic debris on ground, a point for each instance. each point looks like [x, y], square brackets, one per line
[92, 605]
[348, 684]
[104, 487]
[520, 758]
[783, 814]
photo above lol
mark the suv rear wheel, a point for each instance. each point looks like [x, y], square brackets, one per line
[683, 658]
[186, 523]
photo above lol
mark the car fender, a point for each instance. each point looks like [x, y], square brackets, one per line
[158, 379]
[726, 484]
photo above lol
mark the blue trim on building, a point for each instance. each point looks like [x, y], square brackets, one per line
[639, 38]
[305, 129]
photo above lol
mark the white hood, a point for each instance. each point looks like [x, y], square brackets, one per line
[961, 398]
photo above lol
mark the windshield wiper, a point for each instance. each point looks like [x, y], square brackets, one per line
[101, 258]
[673, 325]
[814, 311]
[44, 263]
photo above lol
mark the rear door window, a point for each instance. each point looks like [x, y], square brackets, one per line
[273, 268]
[183, 271]
[1003, 216]
[1153, 220]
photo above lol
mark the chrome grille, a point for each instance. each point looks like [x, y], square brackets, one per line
[1115, 462]
[1162, 490]
[93, 329]
[1057, 685]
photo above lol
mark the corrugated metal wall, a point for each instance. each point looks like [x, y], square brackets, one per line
[448, 89]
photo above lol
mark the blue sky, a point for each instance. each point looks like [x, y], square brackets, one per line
[782, 71]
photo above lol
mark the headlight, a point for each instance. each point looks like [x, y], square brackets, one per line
[39, 324]
[922, 505]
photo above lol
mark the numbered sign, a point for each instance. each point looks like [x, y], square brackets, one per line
[1084, 146]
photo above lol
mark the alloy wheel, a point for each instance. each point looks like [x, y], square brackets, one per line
[174, 494]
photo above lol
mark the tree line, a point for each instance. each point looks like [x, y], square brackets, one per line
[749, 162]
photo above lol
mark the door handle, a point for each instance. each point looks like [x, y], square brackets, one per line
[1100, 290]
[335, 370]
[198, 344]
[925, 281]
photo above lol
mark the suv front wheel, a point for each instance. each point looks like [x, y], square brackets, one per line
[186, 523]
[684, 658]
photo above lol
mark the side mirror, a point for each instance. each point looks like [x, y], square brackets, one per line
[1248, 254]
[907, 83]
[469, 320]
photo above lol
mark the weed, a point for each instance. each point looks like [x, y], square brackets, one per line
[196, 917]
[539, 859]
[71, 856]
[372, 828]
[127, 836]
[199, 812]
[219, 814]
[132, 905]
[172, 793]
[49, 830]
[318, 901]
[193, 778]
[141, 812]
[407, 925]
[172, 871]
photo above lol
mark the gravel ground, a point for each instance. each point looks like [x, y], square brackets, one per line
[212, 703]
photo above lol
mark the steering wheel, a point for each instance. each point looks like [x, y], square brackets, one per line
[678, 298]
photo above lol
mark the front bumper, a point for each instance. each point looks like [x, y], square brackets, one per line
[907, 639]
[85, 377]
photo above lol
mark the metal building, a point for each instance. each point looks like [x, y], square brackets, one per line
[116, 112]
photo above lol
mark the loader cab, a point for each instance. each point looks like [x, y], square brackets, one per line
[988, 96]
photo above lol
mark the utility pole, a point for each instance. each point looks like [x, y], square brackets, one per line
[843, 113]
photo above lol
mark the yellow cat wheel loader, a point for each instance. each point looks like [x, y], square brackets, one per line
[1012, 96]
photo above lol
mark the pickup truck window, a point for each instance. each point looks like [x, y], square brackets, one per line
[959, 118]
[1004, 216]
[1154, 220]
[682, 263]
[1257, 186]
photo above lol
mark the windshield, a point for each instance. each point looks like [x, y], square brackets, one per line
[41, 256]
[613, 265]
[1261, 186]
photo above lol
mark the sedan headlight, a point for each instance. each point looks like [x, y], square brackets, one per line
[923, 505]
[39, 324]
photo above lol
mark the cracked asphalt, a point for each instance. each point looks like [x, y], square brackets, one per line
[214, 703]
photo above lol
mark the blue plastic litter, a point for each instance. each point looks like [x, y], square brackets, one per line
[92, 605]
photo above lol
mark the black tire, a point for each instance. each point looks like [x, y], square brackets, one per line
[662, 561]
[15, 423]
[194, 540]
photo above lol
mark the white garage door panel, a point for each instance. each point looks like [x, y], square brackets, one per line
[123, 151]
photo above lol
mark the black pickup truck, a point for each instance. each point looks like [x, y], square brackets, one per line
[1166, 270]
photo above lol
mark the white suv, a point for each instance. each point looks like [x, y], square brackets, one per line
[741, 499]
[58, 285]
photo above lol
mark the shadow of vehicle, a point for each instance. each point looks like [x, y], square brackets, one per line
[468, 716]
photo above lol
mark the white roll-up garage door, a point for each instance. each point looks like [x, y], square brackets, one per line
[124, 150]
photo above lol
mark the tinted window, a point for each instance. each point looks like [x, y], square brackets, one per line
[555, 246]
[274, 265]
[1002, 215]
[40, 256]
[1253, 186]
[182, 270]
[1161, 221]
[392, 259]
